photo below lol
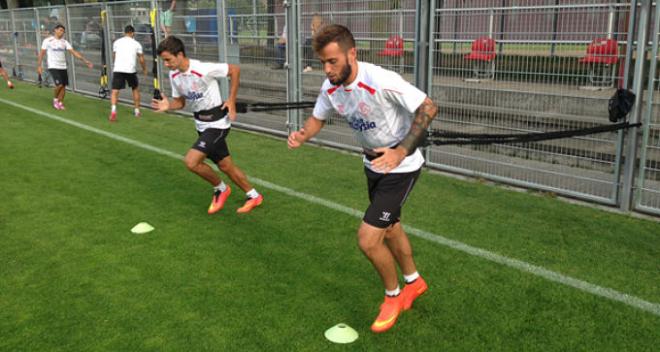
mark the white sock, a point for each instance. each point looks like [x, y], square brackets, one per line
[410, 278]
[252, 193]
[114, 108]
[54, 100]
[221, 187]
[393, 293]
[136, 111]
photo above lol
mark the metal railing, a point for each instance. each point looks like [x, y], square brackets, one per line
[539, 79]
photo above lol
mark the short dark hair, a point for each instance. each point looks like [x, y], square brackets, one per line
[171, 44]
[59, 25]
[129, 29]
[333, 33]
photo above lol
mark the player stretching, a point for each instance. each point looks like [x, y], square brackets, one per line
[56, 46]
[195, 82]
[378, 105]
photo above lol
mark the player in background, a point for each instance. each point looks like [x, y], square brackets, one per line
[126, 51]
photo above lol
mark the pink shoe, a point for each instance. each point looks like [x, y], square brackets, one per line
[56, 105]
[61, 105]
[113, 116]
[10, 85]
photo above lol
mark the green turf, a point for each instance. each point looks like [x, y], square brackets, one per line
[73, 277]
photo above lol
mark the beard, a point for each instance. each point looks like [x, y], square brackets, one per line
[343, 75]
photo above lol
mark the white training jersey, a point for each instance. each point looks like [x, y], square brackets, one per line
[378, 106]
[126, 51]
[55, 50]
[199, 86]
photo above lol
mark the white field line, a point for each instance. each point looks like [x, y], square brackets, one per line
[653, 308]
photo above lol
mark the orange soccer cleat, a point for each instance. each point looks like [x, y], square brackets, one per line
[413, 290]
[389, 312]
[219, 199]
[250, 204]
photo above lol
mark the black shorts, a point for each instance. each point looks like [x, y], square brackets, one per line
[119, 80]
[60, 77]
[212, 143]
[0, 64]
[387, 193]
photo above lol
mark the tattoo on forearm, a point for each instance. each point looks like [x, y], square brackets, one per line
[417, 134]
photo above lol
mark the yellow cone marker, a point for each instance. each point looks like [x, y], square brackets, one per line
[341, 333]
[141, 228]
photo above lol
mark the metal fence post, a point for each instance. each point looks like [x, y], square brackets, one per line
[423, 51]
[74, 86]
[294, 79]
[222, 43]
[648, 113]
[635, 116]
[15, 35]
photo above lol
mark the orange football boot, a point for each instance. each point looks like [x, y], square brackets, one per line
[389, 312]
[219, 199]
[412, 291]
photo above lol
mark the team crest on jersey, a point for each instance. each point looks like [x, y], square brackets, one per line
[362, 124]
[364, 108]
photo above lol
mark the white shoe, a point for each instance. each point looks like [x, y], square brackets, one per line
[308, 69]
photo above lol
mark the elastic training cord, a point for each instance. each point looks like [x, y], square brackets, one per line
[437, 137]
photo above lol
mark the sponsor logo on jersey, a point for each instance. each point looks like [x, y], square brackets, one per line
[194, 95]
[362, 124]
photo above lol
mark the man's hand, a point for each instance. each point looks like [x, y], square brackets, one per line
[390, 159]
[231, 106]
[160, 105]
[40, 70]
[296, 139]
[89, 64]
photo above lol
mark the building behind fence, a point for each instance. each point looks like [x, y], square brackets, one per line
[491, 66]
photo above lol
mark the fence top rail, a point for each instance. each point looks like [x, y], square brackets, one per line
[538, 7]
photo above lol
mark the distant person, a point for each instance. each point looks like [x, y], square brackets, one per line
[126, 51]
[280, 50]
[167, 18]
[315, 26]
[55, 48]
[4, 75]
[196, 82]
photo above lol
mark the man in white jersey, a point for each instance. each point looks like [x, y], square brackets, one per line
[196, 82]
[379, 106]
[125, 52]
[4, 75]
[56, 46]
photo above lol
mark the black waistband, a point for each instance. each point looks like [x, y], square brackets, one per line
[210, 115]
[370, 154]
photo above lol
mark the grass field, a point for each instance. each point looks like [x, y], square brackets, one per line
[73, 277]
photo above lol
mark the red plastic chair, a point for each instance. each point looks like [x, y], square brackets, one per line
[483, 49]
[483, 58]
[602, 56]
[602, 51]
[393, 47]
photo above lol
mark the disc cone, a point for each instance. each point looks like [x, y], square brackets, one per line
[141, 228]
[341, 333]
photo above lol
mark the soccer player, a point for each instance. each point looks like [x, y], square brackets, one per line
[125, 52]
[4, 75]
[196, 82]
[378, 105]
[55, 46]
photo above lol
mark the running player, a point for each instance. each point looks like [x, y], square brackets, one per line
[4, 75]
[125, 52]
[378, 105]
[196, 82]
[55, 46]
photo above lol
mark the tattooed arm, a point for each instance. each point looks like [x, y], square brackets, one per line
[417, 134]
[391, 158]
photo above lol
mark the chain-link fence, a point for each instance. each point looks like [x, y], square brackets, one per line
[492, 66]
